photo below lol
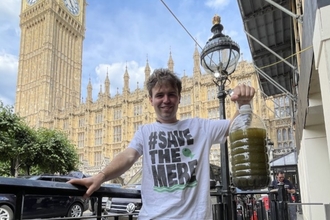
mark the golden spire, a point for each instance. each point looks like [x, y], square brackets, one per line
[216, 19]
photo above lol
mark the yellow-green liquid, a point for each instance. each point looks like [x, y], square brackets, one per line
[249, 159]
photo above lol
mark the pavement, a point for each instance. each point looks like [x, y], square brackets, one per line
[300, 216]
[93, 217]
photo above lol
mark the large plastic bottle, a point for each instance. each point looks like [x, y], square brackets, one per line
[249, 158]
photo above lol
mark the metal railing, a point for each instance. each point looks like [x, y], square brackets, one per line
[249, 205]
[270, 205]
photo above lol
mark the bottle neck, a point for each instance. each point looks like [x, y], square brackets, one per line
[245, 109]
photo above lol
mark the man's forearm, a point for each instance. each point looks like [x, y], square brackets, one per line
[119, 165]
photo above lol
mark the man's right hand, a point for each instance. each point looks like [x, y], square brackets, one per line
[91, 183]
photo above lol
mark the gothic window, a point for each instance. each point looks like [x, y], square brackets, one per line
[290, 134]
[211, 93]
[81, 138]
[281, 100]
[185, 115]
[279, 135]
[81, 157]
[98, 158]
[117, 133]
[282, 107]
[137, 109]
[65, 125]
[98, 118]
[185, 99]
[98, 137]
[117, 114]
[213, 113]
[277, 113]
[136, 125]
[81, 122]
[291, 144]
[285, 138]
[285, 134]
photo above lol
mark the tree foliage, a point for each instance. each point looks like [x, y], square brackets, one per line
[56, 153]
[17, 140]
[23, 149]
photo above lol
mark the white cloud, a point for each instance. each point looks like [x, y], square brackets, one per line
[10, 9]
[217, 4]
[8, 75]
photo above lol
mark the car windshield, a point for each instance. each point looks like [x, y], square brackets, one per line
[33, 177]
[115, 185]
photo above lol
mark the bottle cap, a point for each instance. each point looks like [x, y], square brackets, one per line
[245, 109]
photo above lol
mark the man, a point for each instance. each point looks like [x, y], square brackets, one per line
[280, 178]
[175, 182]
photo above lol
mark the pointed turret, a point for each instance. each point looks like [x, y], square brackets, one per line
[197, 65]
[170, 63]
[89, 92]
[100, 92]
[126, 81]
[147, 73]
[107, 86]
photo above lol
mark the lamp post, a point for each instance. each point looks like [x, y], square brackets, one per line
[219, 57]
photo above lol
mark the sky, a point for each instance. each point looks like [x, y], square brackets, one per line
[124, 34]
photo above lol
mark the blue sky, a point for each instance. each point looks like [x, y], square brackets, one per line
[122, 33]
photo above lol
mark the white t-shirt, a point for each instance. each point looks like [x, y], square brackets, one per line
[176, 170]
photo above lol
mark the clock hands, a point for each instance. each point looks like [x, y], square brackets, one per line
[71, 5]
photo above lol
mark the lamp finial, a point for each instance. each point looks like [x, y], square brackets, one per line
[216, 19]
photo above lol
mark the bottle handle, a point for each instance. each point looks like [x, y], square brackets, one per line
[230, 92]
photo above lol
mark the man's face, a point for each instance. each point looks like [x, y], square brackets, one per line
[280, 177]
[165, 99]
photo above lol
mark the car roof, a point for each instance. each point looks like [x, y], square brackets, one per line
[70, 175]
[50, 177]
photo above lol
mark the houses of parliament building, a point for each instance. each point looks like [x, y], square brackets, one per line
[49, 90]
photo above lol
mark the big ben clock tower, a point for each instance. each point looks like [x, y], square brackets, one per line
[50, 60]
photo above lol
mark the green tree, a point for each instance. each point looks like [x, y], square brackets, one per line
[23, 149]
[56, 153]
[4, 168]
[17, 140]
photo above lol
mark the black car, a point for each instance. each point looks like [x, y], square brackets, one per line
[37, 206]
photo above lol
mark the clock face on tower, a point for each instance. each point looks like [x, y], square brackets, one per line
[31, 2]
[73, 6]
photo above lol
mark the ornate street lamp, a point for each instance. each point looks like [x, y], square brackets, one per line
[219, 57]
[220, 54]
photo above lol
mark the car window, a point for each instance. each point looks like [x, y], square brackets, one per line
[62, 180]
[46, 178]
[33, 178]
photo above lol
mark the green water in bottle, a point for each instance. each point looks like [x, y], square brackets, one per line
[249, 158]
